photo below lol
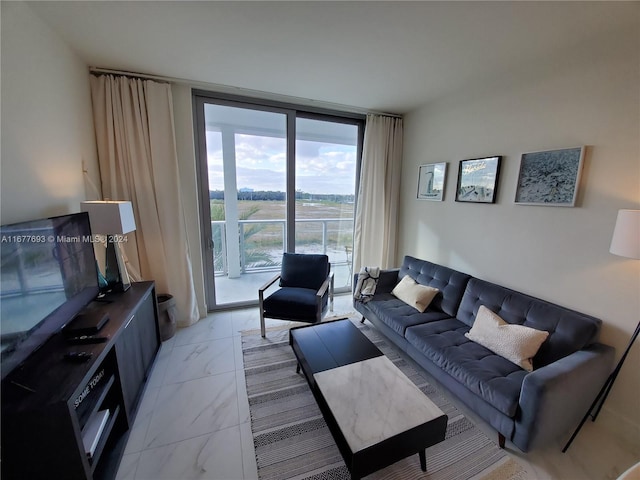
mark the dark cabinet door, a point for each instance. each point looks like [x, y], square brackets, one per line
[130, 365]
[148, 332]
[136, 350]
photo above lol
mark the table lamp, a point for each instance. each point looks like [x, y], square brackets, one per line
[113, 219]
[624, 243]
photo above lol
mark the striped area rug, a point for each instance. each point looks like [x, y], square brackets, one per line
[292, 440]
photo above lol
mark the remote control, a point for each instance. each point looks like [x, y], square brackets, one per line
[78, 356]
[84, 339]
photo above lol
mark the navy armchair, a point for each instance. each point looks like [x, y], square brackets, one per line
[305, 293]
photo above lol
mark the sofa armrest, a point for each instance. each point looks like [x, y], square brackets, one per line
[386, 282]
[555, 397]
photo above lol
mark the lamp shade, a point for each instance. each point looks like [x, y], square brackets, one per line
[626, 234]
[110, 217]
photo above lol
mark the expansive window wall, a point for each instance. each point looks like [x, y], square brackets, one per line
[273, 178]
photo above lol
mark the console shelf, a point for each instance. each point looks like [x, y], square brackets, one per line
[101, 395]
[113, 418]
[48, 401]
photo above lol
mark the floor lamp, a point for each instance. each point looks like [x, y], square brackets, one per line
[625, 243]
[113, 219]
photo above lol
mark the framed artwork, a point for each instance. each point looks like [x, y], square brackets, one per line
[550, 178]
[431, 178]
[478, 180]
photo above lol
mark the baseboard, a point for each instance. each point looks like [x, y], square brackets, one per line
[621, 427]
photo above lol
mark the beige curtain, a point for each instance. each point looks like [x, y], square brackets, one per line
[134, 126]
[376, 219]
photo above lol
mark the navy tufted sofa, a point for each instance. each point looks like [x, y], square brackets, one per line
[530, 409]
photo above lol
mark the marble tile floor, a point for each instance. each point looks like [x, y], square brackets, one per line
[193, 421]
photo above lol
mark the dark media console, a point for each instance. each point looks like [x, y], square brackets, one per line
[67, 411]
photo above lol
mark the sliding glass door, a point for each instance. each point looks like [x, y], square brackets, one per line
[272, 180]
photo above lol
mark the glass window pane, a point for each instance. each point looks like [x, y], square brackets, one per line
[326, 163]
[246, 163]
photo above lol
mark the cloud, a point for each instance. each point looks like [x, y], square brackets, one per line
[261, 179]
[261, 164]
[307, 149]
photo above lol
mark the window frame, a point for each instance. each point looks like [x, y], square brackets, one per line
[292, 112]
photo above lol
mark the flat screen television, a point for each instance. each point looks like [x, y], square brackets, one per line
[48, 274]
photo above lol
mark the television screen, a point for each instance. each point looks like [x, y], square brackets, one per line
[48, 274]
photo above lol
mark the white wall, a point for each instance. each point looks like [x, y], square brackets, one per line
[48, 135]
[47, 125]
[587, 96]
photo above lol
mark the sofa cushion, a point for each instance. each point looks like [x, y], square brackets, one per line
[451, 283]
[492, 377]
[516, 343]
[569, 331]
[414, 294]
[397, 315]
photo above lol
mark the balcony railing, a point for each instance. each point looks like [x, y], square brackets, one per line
[262, 242]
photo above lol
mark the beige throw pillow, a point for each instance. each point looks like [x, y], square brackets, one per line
[414, 294]
[516, 343]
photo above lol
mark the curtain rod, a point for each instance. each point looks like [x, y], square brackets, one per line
[243, 91]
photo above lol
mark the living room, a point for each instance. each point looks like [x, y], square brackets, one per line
[576, 85]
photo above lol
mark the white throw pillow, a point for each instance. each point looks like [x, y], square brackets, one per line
[414, 294]
[516, 343]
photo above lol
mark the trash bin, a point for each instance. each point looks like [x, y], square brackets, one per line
[166, 316]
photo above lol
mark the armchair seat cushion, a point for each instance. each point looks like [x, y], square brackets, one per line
[292, 303]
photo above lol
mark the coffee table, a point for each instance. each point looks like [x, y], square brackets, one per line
[376, 415]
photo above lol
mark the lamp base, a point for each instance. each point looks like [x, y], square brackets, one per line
[116, 271]
[604, 391]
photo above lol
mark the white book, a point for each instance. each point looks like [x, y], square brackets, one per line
[92, 431]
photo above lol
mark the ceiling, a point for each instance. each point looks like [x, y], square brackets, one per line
[378, 56]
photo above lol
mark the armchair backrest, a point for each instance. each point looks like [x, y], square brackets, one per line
[304, 270]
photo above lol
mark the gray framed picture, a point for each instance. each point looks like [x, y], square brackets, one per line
[431, 178]
[478, 180]
[550, 178]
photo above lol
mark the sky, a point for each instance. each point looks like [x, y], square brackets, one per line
[261, 163]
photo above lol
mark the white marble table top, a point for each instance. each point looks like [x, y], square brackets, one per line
[373, 400]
